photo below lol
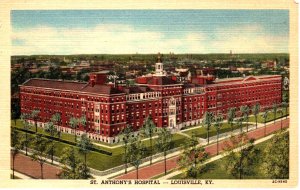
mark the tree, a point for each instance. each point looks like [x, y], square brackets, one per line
[136, 151]
[245, 113]
[73, 167]
[255, 111]
[274, 111]
[230, 117]
[281, 113]
[148, 131]
[83, 122]
[192, 157]
[240, 124]
[164, 143]
[265, 117]
[285, 97]
[40, 151]
[126, 135]
[15, 112]
[52, 131]
[276, 157]
[206, 122]
[74, 125]
[56, 119]
[285, 105]
[240, 156]
[218, 123]
[26, 126]
[85, 145]
[35, 116]
[69, 160]
[16, 146]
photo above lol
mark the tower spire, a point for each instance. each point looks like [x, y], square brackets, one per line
[158, 58]
[159, 66]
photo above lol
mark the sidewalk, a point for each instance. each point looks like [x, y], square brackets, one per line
[22, 176]
[156, 169]
[177, 172]
[29, 168]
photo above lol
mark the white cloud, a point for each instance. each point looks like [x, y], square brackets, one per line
[249, 39]
[120, 38]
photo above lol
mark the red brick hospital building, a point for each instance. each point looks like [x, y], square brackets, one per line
[109, 108]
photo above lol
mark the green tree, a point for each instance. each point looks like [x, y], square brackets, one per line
[70, 161]
[240, 123]
[126, 135]
[230, 117]
[218, 123]
[40, 151]
[164, 143]
[240, 156]
[56, 119]
[26, 126]
[136, 151]
[285, 97]
[192, 157]
[255, 111]
[81, 171]
[52, 131]
[85, 145]
[74, 125]
[245, 113]
[83, 123]
[148, 131]
[281, 114]
[265, 117]
[16, 146]
[276, 157]
[285, 105]
[206, 122]
[15, 112]
[35, 116]
[274, 111]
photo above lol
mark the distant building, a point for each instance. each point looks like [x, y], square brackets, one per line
[269, 64]
[110, 108]
[243, 69]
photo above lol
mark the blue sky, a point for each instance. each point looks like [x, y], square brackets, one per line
[149, 31]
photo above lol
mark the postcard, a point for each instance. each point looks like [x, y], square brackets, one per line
[149, 93]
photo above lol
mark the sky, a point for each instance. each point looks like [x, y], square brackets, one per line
[63, 32]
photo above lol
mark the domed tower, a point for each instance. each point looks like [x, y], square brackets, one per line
[159, 67]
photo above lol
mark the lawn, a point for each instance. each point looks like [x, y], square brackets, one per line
[202, 132]
[270, 117]
[217, 171]
[97, 160]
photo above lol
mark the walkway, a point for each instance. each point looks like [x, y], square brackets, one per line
[24, 165]
[158, 168]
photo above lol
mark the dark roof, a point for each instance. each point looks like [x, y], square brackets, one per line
[161, 81]
[101, 89]
[72, 85]
[137, 89]
[55, 84]
[189, 85]
[183, 74]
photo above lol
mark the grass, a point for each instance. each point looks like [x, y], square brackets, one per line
[215, 169]
[103, 162]
[97, 160]
[202, 132]
[270, 117]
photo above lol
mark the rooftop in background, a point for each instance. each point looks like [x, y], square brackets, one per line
[72, 85]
